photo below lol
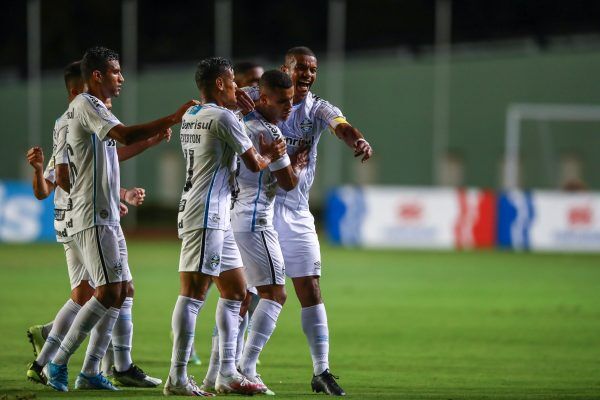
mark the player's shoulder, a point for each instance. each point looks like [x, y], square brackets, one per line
[223, 115]
[317, 101]
[63, 120]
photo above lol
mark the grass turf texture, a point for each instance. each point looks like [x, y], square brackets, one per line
[402, 324]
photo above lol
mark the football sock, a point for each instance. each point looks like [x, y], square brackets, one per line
[62, 322]
[109, 358]
[86, 318]
[240, 338]
[262, 327]
[99, 339]
[227, 317]
[183, 324]
[48, 327]
[314, 325]
[213, 364]
[122, 337]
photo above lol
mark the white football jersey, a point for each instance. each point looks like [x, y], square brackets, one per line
[210, 137]
[254, 192]
[61, 198]
[307, 121]
[93, 164]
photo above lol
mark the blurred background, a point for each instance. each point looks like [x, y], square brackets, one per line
[494, 96]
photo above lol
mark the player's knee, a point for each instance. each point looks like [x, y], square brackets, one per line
[130, 290]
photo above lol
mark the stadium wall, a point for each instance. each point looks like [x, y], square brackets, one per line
[390, 100]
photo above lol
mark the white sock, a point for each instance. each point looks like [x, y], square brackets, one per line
[213, 364]
[122, 337]
[314, 325]
[99, 340]
[109, 358]
[227, 315]
[86, 318]
[183, 324]
[262, 327]
[240, 338]
[62, 322]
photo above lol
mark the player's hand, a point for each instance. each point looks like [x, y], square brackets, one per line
[123, 210]
[176, 117]
[35, 156]
[135, 196]
[362, 147]
[300, 158]
[274, 150]
[159, 137]
[244, 102]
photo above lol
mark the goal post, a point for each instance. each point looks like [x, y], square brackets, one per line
[519, 112]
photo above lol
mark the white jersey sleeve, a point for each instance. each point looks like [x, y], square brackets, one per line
[95, 117]
[232, 131]
[327, 112]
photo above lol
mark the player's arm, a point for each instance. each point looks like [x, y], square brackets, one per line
[131, 134]
[62, 177]
[353, 139]
[269, 153]
[42, 187]
[132, 150]
[287, 178]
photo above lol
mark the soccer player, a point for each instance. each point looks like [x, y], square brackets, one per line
[252, 217]
[247, 73]
[211, 135]
[44, 183]
[93, 220]
[294, 223]
[293, 220]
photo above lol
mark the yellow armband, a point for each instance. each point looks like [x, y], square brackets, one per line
[335, 122]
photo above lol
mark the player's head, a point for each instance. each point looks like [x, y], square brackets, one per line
[73, 80]
[214, 78]
[301, 65]
[276, 94]
[247, 73]
[102, 72]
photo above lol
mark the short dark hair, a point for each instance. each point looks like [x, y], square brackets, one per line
[244, 66]
[299, 51]
[72, 73]
[275, 79]
[97, 58]
[210, 69]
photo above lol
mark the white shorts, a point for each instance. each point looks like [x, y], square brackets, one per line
[75, 266]
[210, 251]
[262, 257]
[104, 253]
[298, 240]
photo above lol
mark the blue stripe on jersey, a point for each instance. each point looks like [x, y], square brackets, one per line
[194, 110]
[250, 116]
[94, 179]
[260, 174]
[207, 205]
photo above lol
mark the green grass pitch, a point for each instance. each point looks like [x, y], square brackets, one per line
[403, 325]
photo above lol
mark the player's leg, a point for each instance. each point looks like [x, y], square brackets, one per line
[232, 288]
[100, 253]
[208, 383]
[81, 292]
[302, 255]
[125, 372]
[194, 284]
[265, 270]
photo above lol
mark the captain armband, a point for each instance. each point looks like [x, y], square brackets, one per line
[280, 163]
[336, 121]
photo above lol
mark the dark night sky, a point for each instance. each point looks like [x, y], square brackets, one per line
[179, 31]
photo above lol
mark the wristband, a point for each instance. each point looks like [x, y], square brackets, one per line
[361, 140]
[280, 163]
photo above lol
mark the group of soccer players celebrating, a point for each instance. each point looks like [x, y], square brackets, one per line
[244, 221]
